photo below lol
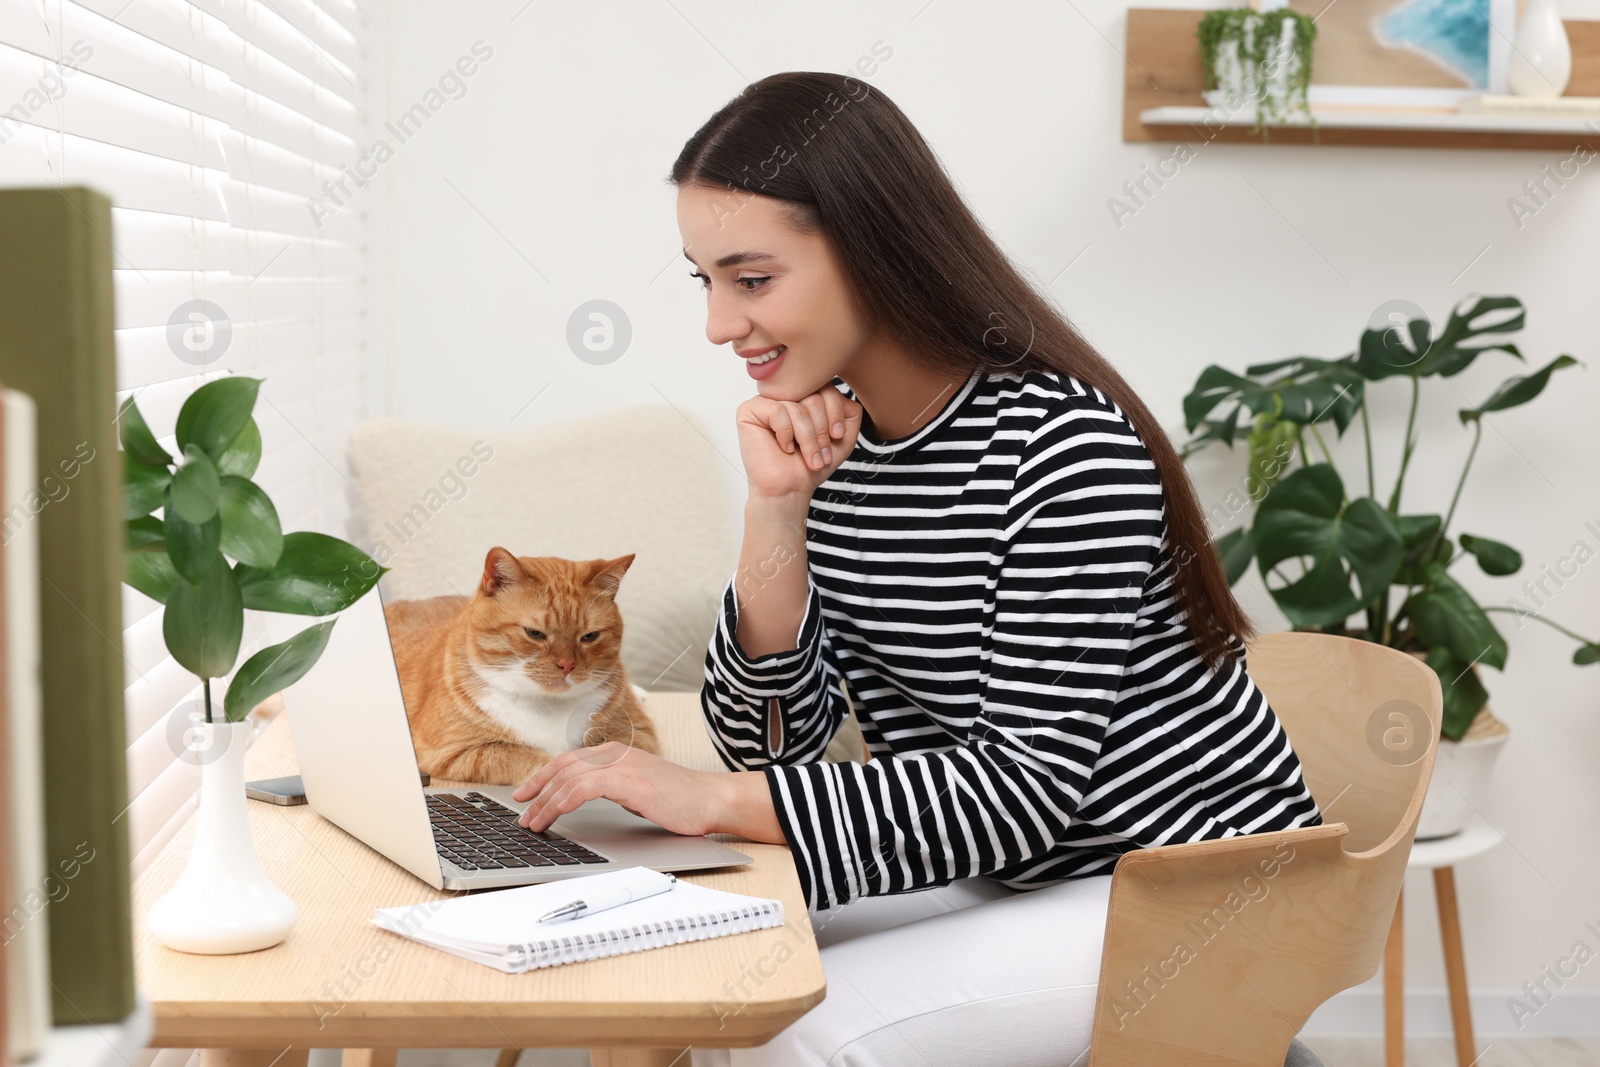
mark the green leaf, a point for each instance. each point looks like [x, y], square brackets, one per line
[137, 440]
[1448, 356]
[1391, 350]
[143, 487]
[151, 573]
[1494, 557]
[244, 454]
[144, 534]
[1215, 385]
[1305, 516]
[216, 413]
[1307, 402]
[1226, 429]
[1272, 444]
[1464, 695]
[1416, 533]
[315, 575]
[1444, 614]
[251, 532]
[1294, 365]
[275, 668]
[1394, 350]
[195, 487]
[1236, 550]
[1415, 529]
[204, 621]
[1517, 390]
[1586, 654]
[192, 546]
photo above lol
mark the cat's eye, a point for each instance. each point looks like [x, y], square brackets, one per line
[591, 636]
[531, 632]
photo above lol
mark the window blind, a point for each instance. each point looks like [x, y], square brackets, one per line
[216, 128]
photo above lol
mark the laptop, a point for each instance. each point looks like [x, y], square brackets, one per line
[347, 721]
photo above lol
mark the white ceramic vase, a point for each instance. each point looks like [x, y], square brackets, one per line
[1461, 777]
[1541, 55]
[223, 901]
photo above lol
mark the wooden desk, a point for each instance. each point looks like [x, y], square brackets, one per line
[341, 982]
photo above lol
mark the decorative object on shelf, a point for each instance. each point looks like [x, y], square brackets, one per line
[1541, 55]
[223, 902]
[1408, 53]
[1257, 60]
[1307, 518]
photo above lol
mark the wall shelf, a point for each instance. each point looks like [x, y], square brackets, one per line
[1163, 79]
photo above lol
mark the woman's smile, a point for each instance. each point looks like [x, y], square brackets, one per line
[765, 366]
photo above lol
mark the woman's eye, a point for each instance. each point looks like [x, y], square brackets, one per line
[705, 282]
[591, 636]
[531, 632]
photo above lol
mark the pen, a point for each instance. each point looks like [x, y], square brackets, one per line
[610, 898]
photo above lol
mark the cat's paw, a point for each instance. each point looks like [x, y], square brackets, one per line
[640, 692]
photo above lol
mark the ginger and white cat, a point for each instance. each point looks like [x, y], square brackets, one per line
[499, 683]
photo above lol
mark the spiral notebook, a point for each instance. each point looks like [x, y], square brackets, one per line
[500, 928]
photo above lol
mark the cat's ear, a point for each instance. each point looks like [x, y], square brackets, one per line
[609, 575]
[500, 569]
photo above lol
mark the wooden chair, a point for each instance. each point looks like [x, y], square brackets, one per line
[1216, 952]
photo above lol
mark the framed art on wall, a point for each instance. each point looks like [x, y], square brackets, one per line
[1406, 53]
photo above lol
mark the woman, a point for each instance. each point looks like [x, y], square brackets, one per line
[963, 511]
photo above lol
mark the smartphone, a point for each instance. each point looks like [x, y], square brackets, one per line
[285, 790]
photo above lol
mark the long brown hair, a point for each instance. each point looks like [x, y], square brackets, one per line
[847, 163]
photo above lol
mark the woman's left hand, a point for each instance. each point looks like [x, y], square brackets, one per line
[674, 797]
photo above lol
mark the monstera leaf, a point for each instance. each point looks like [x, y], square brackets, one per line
[1306, 517]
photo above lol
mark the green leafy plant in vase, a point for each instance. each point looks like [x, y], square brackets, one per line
[1258, 58]
[211, 510]
[1355, 553]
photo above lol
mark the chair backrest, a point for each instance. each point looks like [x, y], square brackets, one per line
[642, 479]
[1216, 952]
[1359, 716]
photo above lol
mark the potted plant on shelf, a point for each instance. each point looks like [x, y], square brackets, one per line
[1260, 60]
[211, 510]
[1307, 516]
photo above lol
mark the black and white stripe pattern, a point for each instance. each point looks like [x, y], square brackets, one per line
[996, 592]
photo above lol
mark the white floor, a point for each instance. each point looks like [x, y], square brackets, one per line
[1337, 1051]
[1440, 1051]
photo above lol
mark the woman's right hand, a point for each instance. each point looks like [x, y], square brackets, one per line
[789, 446]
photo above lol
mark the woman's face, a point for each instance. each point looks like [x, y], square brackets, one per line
[785, 291]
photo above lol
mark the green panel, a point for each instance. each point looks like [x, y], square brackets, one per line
[57, 346]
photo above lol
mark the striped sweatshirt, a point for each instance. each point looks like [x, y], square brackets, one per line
[995, 592]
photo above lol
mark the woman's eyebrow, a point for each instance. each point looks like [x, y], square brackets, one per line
[733, 259]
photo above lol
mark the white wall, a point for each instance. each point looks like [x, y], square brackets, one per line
[542, 187]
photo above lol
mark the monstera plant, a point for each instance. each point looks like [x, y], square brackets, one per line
[210, 511]
[1362, 554]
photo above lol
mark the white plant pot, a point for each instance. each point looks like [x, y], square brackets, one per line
[223, 901]
[1461, 777]
[1238, 91]
[1541, 55]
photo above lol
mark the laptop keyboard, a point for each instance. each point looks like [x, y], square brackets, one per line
[478, 833]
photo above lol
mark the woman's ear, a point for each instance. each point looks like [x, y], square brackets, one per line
[500, 569]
